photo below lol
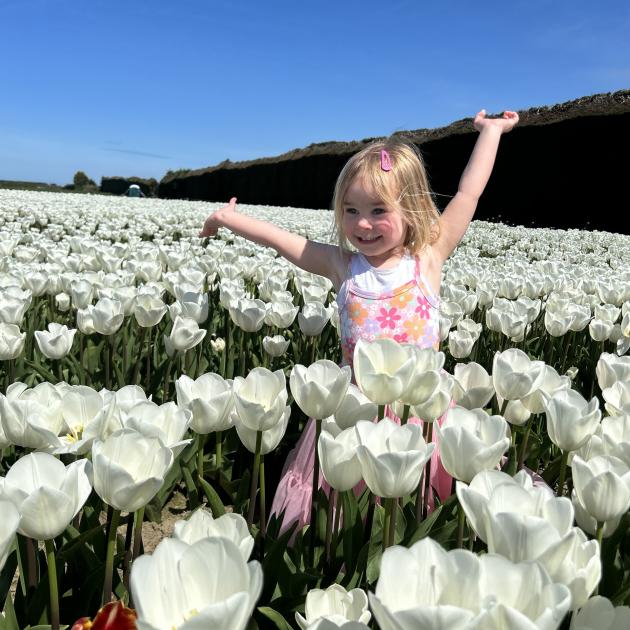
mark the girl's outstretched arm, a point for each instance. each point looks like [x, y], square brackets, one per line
[459, 212]
[319, 258]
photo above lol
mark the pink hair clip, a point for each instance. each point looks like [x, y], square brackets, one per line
[386, 163]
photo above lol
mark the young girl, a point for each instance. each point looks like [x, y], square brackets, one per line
[390, 286]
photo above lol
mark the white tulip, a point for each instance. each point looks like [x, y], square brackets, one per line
[107, 316]
[570, 419]
[184, 335]
[270, 437]
[471, 441]
[382, 369]
[355, 406]
[392, 457]
[338, 459]
[335, 604]
[201, 524]
[11, 341]
[210, 399]
[617, 398]
[260, 398]
[8, 526]
[56, 342]
[204, 585]
[458, 589]
[598, 613]
[602, 485]
[275, 346]
[472, 387]
[514, 375]
[312, 318]
[46, 493]
[319, 388]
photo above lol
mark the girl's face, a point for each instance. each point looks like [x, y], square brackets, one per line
[375, 229]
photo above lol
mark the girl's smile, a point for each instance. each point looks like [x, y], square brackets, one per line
[376, 230]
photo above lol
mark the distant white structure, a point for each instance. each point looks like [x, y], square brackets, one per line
[134, 191]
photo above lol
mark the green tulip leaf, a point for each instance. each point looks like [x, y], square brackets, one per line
[214, 502]
[275, 617]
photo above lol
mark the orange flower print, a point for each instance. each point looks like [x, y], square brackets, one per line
[423, 307]
[402, 299]
[415, 328]
[357, 314]
[388, 317]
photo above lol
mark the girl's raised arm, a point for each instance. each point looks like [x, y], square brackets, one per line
[458, 214]
[319, 258]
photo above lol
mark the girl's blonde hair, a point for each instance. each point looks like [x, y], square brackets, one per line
[405, 187]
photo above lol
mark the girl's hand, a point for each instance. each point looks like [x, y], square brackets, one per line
[213, 222]
[503, 124]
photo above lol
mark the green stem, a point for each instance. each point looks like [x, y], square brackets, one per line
[600, 533]
[405, 415]
[219, 456]
[392, 522]
[563, 469]
[523, 450]
[329, 524]
[461, 521]
[147, 369]
[109, 561]
[315, 488]
[201, 440]
[254, 486]
[263, 508]
[427, 476]
[337, 508]
[381, 412]
[52, 585]
[387, 523]
[138, 519]
[136, 370]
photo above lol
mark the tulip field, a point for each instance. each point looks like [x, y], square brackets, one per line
[139, 363]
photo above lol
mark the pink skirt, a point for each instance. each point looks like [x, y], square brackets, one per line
[294, 493]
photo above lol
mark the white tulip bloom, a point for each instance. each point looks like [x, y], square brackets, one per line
[471, 441]
[392, 457]
[570, 419]
[338, 458]
[184, 335]
[148, 310]
[472, 385]
[201, 524]
[270, 437]
[598, 613]
[355, 406]
[610, 368]
[56, 342]
[312, 318]
[383, 369]
[514, 375]
[204, 585]
[8, 526]
[129, 469]
[617, 398]
[210, 399]
[46, 493]
[319, 388]
[275, 346]
[458, 589]
[107, 316]
[11, 341]
[260, 398]
[335, 604]
[602, 485]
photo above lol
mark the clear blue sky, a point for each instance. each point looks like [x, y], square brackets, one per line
[140, 87]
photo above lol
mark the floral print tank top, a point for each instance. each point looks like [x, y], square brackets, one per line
[408, 314]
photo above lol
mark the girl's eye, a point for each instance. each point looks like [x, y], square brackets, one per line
[351, 210]
[379, 211]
